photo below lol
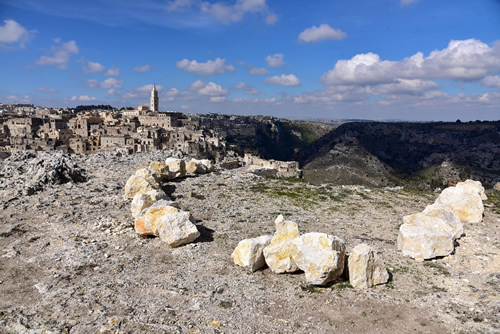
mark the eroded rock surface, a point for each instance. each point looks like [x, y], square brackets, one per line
[278, 253]
[366, 268]
[249, 252]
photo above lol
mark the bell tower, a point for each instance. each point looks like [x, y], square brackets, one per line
[153, 102]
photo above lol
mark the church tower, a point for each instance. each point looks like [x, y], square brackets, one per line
[153, 102]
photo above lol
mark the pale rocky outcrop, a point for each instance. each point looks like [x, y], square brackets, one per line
[278, 253]
[176, 167]
[320, 256]
[160, 168]
[139, 185]
[177, 228]
[465, 200]
[497, 186]
[366, 268]
[429, 234]
[249, 254]
[205, 166]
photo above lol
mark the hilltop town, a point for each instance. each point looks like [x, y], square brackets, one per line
[144, 129]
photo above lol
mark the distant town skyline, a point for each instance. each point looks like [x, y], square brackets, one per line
[416, 60]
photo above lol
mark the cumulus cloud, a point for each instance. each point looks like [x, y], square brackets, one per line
[252, 91]
[467, 60]
[83, 98]
[93, 67]
[144, 68]
[111, 83]
[46, 90]
[258, 70]
[217, 66]
[323, 32]
[92, 83]
[241, 85]
[15, 99]
[14, 34]
[61, 53]
[283, 80]
[213, 91]
[491, 81]
[276, 60]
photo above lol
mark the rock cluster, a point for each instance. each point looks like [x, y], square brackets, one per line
[321, 256]
[28, 172]
[432, 232]
[154, 213]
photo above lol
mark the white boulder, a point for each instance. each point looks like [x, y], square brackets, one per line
[249, 254]
[320, 256]
[176, 167]
[278, 253]
[366, 268]
[177, 228]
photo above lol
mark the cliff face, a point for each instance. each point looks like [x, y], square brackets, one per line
[392, 152]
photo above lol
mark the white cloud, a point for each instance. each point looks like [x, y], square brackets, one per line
[405, 86]
[60, 54]
[467, 60]
[92, 83]
[111, 83]
[218, 98]
[83, 98]
[283, 80]
[491, 81]
[113, 71]
[323, 32]
[212, 89]
[14, 33]
[252, 91]
[241, 85]
[216, 66]
[93, 67]
[275, 60]
[407, 2]
[15, 99]
[144, 68]
[233, 13]
[46, 90]
[258, 71]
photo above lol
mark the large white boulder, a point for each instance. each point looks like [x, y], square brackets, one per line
[143, 201]
[177, 228]
[429, 234]
[320, 256]
[161, 169]
[464, 200]
[278, 253]
[139, 185]
[248, 253]
[149, 175]
[191, 167]
[366, 268]
[176, 167]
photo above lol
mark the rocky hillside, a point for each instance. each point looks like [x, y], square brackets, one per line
[425, 154]
[71, 262]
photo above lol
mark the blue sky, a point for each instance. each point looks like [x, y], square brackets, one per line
[386, 59]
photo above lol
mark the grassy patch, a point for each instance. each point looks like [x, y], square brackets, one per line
[439, 268]
[225, 304]
[310, 288]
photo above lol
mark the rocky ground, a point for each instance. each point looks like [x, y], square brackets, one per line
[70, 261]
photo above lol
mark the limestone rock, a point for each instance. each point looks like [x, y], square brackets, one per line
[149, 175]
[191, 167]
[205, 166]
[464, 200]
[177, 228]
[366, 268]
[429, 234]
[140, 227]
[320, 256]
[249, 254]
[160, 168]
[139, 185]
[155, 212]
[143, 201]
[278, 253]
[176, 167]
